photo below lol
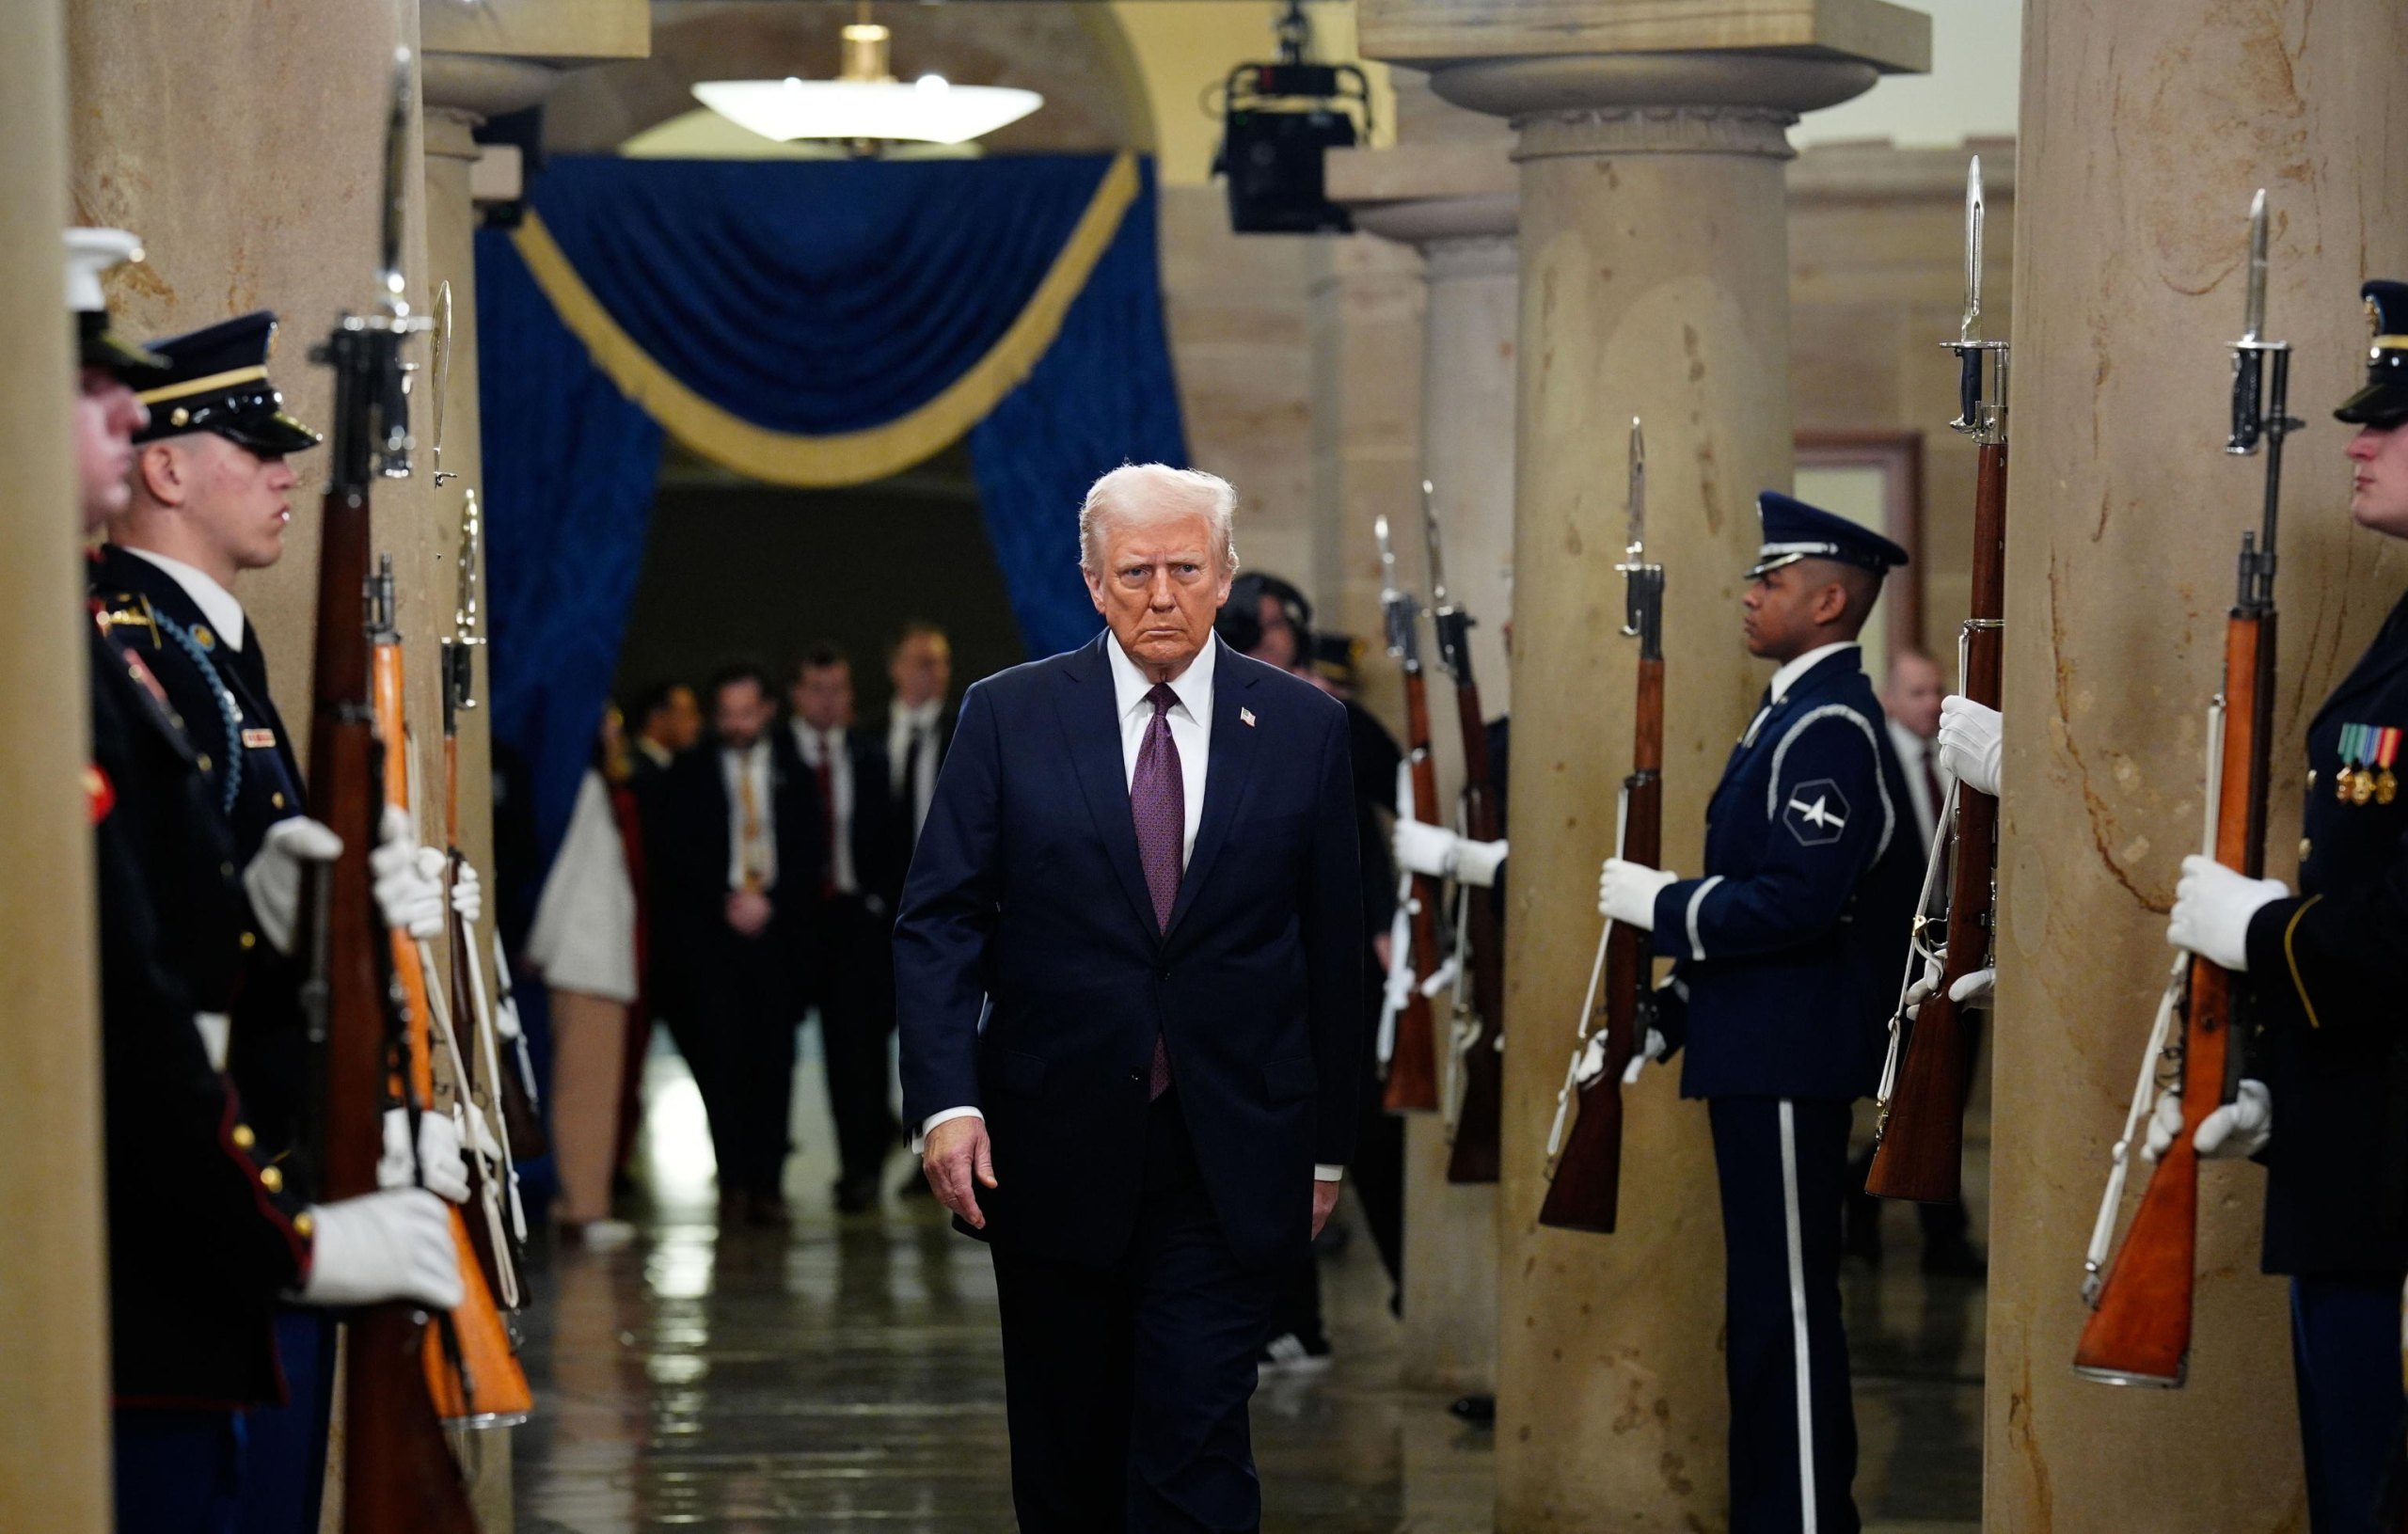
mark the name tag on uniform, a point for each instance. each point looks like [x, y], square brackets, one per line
[259, 740]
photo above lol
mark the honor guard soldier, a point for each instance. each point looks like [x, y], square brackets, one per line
[208, 497]
[1784, 953]
[204, 1234]
[2323, 971]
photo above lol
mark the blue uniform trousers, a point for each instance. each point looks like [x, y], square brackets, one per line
[2345, 1352]
[1125, 1387]
[178, 1471]
[284, 1457]
[1783, 1165]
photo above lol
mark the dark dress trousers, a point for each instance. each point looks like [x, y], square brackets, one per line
[1789, 949]
[2327, 969]
[853, 968]
[1138, 1244]
[732, 1002]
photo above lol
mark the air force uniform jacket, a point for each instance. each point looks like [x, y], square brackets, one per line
[1790, 947]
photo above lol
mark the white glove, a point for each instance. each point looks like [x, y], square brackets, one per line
[2238, 1129]
[390, 1246]
[1627, 892]
[1969, 746]
[406, 896]
[467, 893]
[1970, 992]
[273, 880]
[1650, 1048]
[438, 1163]
[1476, 862]
[2213, 905]
[1427, 850]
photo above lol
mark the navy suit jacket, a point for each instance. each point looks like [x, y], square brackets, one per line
[1033, 979]
[1793, 944]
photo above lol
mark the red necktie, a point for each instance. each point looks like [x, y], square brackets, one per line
[1158, 804]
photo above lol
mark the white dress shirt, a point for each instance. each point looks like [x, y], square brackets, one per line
[1915, 754]
[820, 748]
[1786, 677]
[735, 765]
[1191, 736]
[911, 738]
[215, 602]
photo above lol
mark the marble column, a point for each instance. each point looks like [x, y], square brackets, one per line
[1654, 282]
[53, 1291]
[2147, 128]
[1471, 272]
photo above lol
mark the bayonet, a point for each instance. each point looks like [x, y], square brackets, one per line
[1397, 605]
[441, 346]
[2253, 301]
[1452, 624]
[1437, 561]
[1643, 589]
[2260, 412]
[1981, 418]
[468, 615]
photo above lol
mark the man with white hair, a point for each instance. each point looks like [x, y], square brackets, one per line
[1128, 969]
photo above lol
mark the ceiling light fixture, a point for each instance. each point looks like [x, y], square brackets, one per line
[866, 104]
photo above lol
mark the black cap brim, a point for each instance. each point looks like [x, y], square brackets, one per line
[2377, 404]
[98, 346]
[273, 434]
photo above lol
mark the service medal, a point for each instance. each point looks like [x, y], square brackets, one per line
[2361, 786]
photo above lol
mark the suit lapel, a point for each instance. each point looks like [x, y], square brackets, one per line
[1091, 724]
[1226, 779]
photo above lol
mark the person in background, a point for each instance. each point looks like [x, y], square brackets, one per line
[584, 945]
[919, 730]
[1910, 696]
[1268, 619]
[667, 721]
[846, 784]
[738, 886]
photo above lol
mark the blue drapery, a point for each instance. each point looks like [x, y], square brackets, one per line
[811, 298]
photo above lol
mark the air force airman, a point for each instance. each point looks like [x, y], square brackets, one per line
[1787, 953]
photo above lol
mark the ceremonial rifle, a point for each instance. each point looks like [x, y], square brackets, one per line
[2139, 1331]
[1476, 1040]
[1584, 1172]
[1406, 1030]
[399, 1476]
[1920, 1139]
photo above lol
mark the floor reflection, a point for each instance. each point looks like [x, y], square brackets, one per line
[846, 1373]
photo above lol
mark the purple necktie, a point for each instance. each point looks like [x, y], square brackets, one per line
[1158, 803]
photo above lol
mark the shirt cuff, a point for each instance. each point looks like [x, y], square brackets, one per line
[920, 1141]
[1324, 1172]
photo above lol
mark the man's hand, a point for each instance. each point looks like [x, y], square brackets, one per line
[2242, 1127]
[1325, 1200]
[408, 898]
[1627, 892]
[749, 911]
[2213, 905]
[959, 1161]
[273, 880]
[1971, 744]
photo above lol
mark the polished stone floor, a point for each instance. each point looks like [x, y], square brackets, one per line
[844, 1374]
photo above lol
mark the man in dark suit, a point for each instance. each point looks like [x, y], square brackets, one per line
[740, 879]
[1130, 969]
[1784, 956]
[844, 772]
[919, 728]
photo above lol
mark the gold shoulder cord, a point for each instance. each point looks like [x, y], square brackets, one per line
[2298, 983]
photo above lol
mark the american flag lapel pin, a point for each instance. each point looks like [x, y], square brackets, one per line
[1246, 717]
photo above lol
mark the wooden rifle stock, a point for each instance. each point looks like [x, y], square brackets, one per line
[1922, 1135]
[1475, 1155]
[471, 1372]
[2139, 1332]
[1413, 1063]
[1585, 1192]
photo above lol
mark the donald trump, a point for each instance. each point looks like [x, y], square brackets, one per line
[1128, 958]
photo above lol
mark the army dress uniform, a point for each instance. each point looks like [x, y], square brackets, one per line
[2325, 983]
[1787, 953]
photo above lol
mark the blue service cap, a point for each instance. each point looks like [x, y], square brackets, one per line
[2383, 401]
[216, 381]
[1795, 530]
